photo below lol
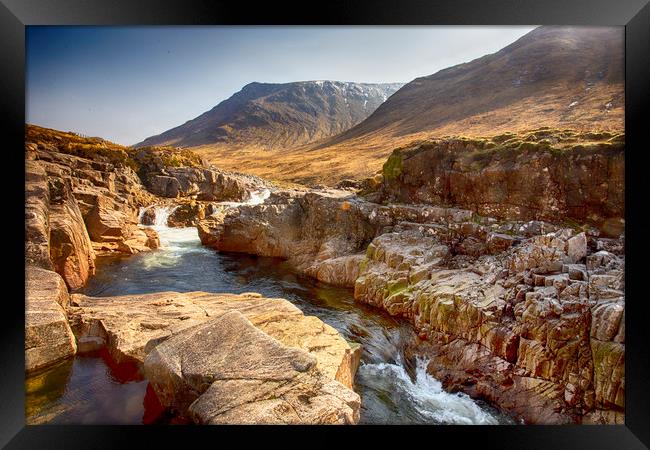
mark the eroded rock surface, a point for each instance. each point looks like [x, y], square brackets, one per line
[77, 208]
[201, 183]
[527, 329]
[48, 338]
[228, 371]
[549, 175]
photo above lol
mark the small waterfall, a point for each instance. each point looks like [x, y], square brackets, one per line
[424, 399]
[162, 213]
[143, 209]
[255, 198]
[258, 197]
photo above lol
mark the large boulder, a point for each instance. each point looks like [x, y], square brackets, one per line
[48, 338]
[227, 371]
[187, 214]
[116, 231]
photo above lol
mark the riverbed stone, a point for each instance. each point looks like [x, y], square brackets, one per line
[227, 371]
[132, 325]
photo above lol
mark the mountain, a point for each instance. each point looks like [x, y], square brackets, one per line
[553, 76]
[276, 116]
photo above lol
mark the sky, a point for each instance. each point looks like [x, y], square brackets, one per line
[128, 83]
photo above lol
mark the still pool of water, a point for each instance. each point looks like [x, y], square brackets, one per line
[91, 390]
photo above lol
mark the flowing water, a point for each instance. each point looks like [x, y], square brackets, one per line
[90, 390]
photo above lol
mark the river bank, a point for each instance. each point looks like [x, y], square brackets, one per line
[391, 390]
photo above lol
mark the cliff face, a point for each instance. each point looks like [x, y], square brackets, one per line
[541, 175]
[77, 207]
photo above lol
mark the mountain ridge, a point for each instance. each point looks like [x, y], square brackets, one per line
[554, 76]
[277, 115]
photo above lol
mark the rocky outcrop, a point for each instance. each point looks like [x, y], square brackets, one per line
[202, 183]
[227, 371]
[318, 232]
[37, 223]
[71, 251]
[547, 175]
[516, 328]
[76, 208]
[48, 338]
[510, 311]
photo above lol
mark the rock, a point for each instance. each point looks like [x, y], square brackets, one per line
[602, 261]
[506, 301]
[37, 227]
[71, 251]
[616, 246]
[314, 230]
[132, 325]
[497, 243]
[527, 182]
[76, 207]
[539, 346]
[227, 371]
[203, 183]
[48, 338]
[164, 186]
[187, 215]
[576, 271]
[149, 217]
[609, 374]
[341, 271]
[105, 225]
[577, 247]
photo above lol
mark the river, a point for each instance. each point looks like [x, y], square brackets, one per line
[88, 390]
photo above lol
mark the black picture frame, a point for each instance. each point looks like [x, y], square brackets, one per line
[633, 14]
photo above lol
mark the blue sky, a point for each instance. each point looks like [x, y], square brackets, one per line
[127, 83]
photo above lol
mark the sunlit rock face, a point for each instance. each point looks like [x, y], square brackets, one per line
[227, 371]
[76, 209]
[542, 175]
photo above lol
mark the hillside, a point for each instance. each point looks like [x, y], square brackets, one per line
[277, 116]
[557, 77]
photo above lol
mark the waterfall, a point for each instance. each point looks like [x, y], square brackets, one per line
[258, 197]
[255, 198]
[162, 214]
